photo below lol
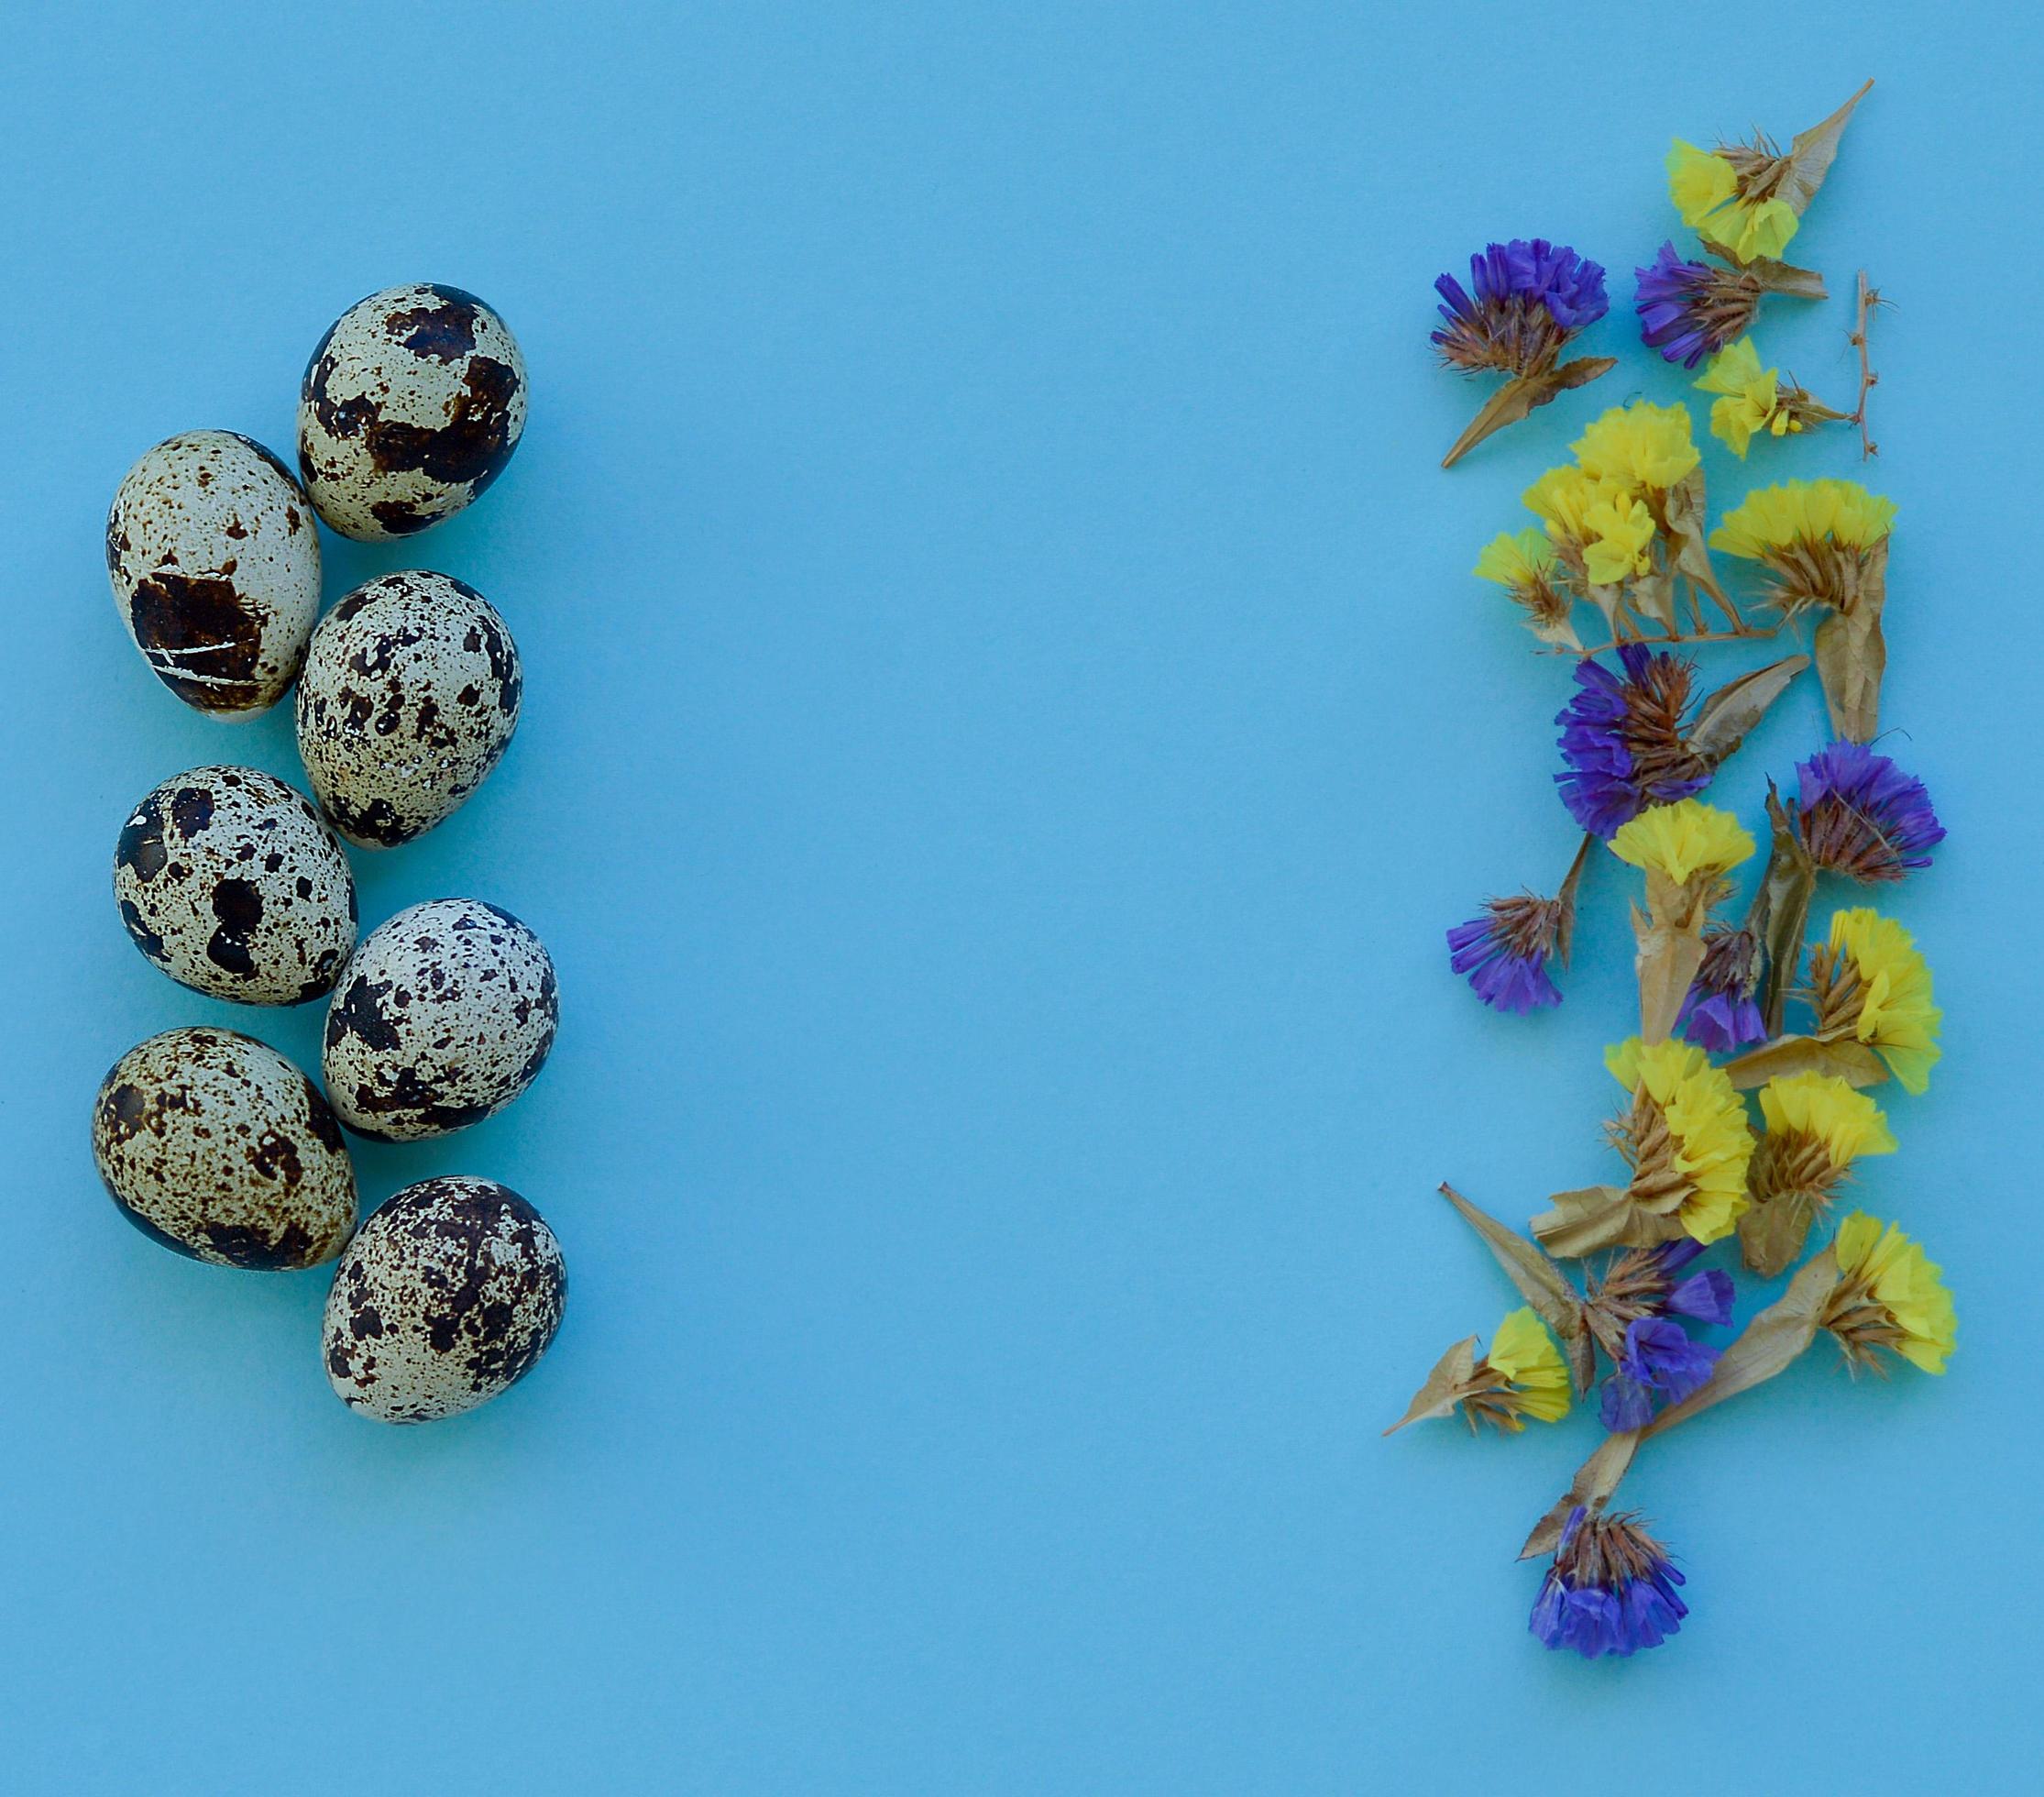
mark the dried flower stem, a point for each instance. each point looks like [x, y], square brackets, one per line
[1870, 298]
[1750, 634]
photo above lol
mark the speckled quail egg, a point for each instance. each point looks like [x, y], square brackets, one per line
[410, 406]
[449, 1294]
[215, 562]
[231, 883]
[444, 1016]
[214, 1144]
[409, 699]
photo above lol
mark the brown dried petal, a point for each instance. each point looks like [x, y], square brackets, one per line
[1443, 1385]
[1539, 1281]
[1521, 395]
[1854, 1062]
[1725, 718]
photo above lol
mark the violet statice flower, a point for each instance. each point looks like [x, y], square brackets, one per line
[1623, 740]
[1863, 816]
[1720, 1012]
[1654, 1359]
[1660, 1362]
[1525, 299]
[1505, 953]
[1690, 310]
[1611, 1589]
[1706, 1296]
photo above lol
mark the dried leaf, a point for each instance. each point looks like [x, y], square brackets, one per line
[1725, 718]
[1689, 552]
[1782, 911]
[1539, 1281]
[1565, 929]
[1593, 1216]
[1595, 1481]
[1853, 1061]
[1767, 1345]
[1771, 1235]
[1443, 1385]
[1852, 653]
[1781, 277]
[1670, 951]
[1810, 155]
[1521, 395]
[1651, 596]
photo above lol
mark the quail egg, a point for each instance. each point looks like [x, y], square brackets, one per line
[410, 406]
[215, 563]
[231, 883]
[409, 699]
[447, 1296]
[444, 1016]
[214, 1144]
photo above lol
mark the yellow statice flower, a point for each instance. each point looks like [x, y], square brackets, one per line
[1823, 1110]
[1684, 840]
[1605, 521]
[1705, 189]
[1890, 1294]
[1710, 1141]
[1752, 229]
[1526, 565]
[1562, 500]
[1751, 394]
[1887, 999]
[1804, 513]
[1526, 1355]
[1516, 560]
[1817, 1127]
[1699, 182]
[1643, 446]
[1620, 540]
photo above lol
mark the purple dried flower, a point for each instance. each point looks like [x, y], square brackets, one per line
[1720, 1012]
[1525, 299]
[1611, 1589]
[1654, 1359]
[1689, 310]
[1505, 953]
[1623, 740]
[1863, 816]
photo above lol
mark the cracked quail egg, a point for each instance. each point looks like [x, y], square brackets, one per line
[408, 697]
[231, 883]
[444, 1016]
[213, 1144]
[410, 406]
[447, 1296]
[214, 564]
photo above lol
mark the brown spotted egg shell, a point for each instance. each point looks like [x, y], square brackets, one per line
[408, 697]
[449, 1295]
[444, 1015]
[215, 565]
[410, 406]
[214, 1144]
[231, 883]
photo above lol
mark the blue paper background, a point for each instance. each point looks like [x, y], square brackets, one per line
[1008, 721]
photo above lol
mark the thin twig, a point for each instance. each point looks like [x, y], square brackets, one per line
[1870, 297]
[1752, 633]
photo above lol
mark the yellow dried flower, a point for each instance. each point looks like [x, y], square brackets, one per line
[1891, 1296]
[1869, 984]
[1643, 446]
[1689, 1141]
[1806, 514]
[1684, 840]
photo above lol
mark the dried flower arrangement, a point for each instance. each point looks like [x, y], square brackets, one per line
[1622, 531]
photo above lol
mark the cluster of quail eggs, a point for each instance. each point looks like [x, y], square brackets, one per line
[238, 884]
